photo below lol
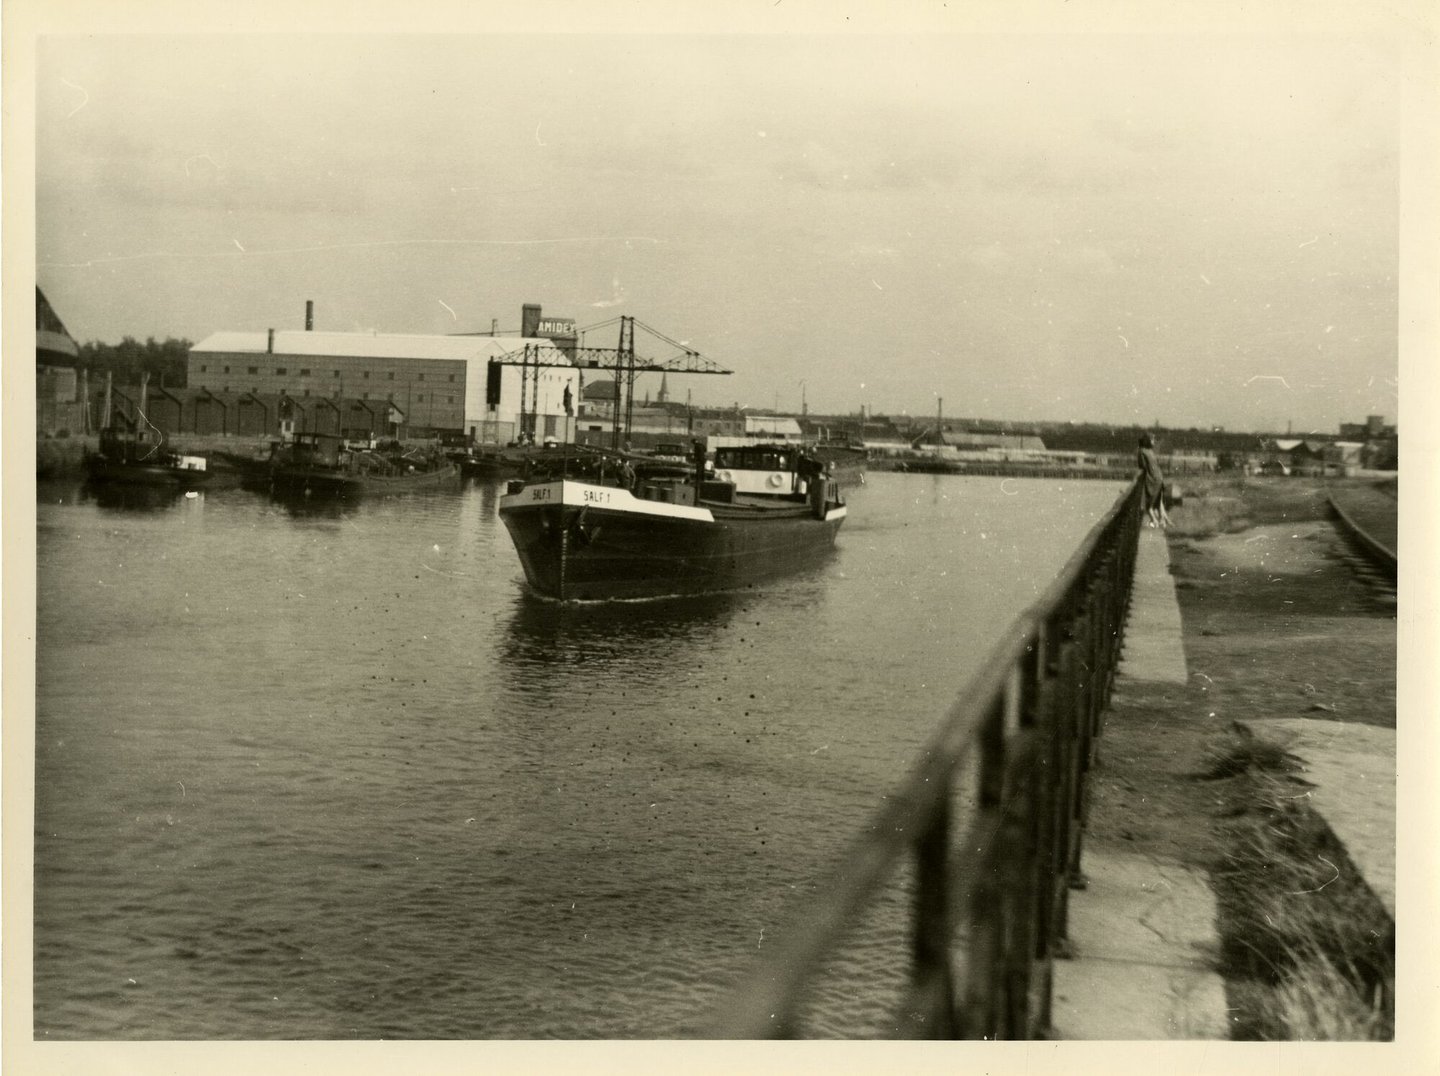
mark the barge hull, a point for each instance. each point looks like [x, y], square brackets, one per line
[577, 551]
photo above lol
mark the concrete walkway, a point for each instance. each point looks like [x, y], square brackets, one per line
[1143, 931]
[1154, 638]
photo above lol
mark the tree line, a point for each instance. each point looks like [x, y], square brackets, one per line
[164, 360]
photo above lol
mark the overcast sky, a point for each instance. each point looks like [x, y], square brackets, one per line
[1199, 230]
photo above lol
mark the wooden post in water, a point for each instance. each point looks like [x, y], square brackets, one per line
[105, 415]
[83, 395]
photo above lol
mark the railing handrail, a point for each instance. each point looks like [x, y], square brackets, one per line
[762, 1005]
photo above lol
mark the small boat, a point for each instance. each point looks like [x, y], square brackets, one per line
[488, 461]
[142, 457]
[846, 458]
[599, 528]
[250, 470]
[326, 465]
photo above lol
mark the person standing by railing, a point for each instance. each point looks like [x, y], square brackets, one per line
[1154, 493]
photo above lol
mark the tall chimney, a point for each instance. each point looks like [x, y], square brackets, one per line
[530, 319]
[309, 315]
[270, 344]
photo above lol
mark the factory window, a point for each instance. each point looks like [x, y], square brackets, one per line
[253, 370]
[364, 396]
[279, 371]
[304, 371]
[203, 367]
[227, 369]
[366, 375]
[420, 398]
[422, 377]
[337, 373]
[306, 392]
[449, 399]
[452, 377]
[392, 375]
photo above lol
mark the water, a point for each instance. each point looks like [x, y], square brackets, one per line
[332, 774]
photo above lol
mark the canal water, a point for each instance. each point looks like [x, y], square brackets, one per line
[332, 774]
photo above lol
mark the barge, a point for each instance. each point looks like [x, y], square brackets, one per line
[612, 532]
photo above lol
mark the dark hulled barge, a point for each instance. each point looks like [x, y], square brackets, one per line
[614, 531]
[142, 458]
[325, 465]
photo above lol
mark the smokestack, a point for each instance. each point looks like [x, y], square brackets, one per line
[270, 343]
[529, 319]
[309, 315]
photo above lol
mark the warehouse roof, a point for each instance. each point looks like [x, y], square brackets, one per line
[364, 345]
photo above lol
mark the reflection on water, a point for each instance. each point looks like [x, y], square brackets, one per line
[127, 497]
[300, 506]
[550, 632]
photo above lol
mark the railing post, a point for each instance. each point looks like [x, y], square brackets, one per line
[932, 988]
[1083, 676]
[1049, 832]
[983, 940]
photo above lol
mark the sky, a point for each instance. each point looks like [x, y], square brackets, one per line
[1196, 230]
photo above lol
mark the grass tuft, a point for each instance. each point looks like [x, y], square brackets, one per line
[1316, 1002]
[1311, 944]
[1243, 752]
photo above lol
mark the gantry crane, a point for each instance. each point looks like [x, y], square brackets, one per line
[621, 360]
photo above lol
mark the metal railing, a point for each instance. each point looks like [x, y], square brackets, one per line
[1027, 724]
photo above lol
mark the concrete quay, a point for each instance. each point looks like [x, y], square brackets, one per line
[1143, 932]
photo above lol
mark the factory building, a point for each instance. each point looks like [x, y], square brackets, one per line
[377, 384]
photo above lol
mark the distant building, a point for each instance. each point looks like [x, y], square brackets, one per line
[423, 385]
[598, 400]
[771, 428]
[1379, 441]
[1373, 428]
[948, 437]
[59, 386]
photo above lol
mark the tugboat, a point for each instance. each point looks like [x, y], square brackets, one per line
[604, 529]
[326, 465]
[142, 457]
